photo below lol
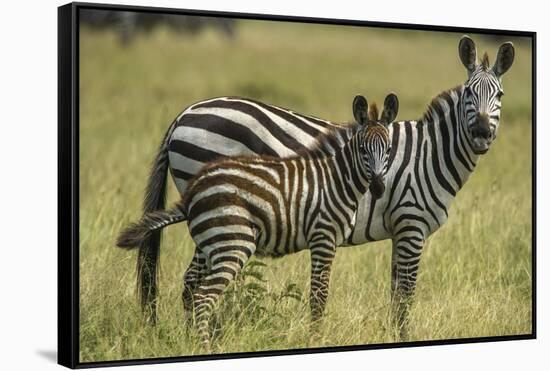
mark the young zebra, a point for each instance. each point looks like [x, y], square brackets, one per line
[430, 162]
[271, 207]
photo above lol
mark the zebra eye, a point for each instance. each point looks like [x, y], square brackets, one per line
[388, 150]
[500, 94]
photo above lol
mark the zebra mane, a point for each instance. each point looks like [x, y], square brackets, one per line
[485, 61]
[329, 140]
[373, 112]
[435, 105]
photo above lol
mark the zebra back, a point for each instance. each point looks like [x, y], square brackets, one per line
[229, 126]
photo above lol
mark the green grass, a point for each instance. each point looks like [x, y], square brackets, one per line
[475, 277]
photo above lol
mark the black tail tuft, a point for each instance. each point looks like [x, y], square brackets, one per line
[133, 236]
[147, 276]
[140, 235]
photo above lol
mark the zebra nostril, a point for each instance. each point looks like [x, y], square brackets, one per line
[481, 128]
[481, 131]
[377, 187]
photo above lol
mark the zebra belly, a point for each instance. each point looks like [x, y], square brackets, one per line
[280, 251]
[292, 241]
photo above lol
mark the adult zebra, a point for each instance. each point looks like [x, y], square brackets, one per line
[268, 206]
[430, 161]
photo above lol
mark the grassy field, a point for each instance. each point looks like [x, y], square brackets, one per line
[475, 276]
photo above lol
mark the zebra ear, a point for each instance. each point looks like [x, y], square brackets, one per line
[505, 58]
[391, 107]
[360, 109]
[468, 54]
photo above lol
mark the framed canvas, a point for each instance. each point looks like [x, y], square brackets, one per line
[321, 185]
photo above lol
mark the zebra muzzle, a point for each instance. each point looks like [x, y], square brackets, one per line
[481, 134]
[377, 186]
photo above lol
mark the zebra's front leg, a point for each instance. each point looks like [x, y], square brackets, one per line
[192, 278]
[322, 255]
[406, 252]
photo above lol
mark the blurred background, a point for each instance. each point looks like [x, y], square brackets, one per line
[138, 71]
[129, 25]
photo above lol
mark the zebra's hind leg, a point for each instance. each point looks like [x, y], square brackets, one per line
[406, 252]
[226, 262]
[322, 255]
[193, 276]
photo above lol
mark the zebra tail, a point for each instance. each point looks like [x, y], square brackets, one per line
[149, 246]
[138, 233]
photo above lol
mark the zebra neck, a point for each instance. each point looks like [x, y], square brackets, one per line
[445, 132]
[350, 170]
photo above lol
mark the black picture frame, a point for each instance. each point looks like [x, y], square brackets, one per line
[68, 182]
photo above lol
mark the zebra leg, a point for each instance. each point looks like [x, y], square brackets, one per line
[191, 279]
[225, 266]
[406, 251]
[322, 255]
